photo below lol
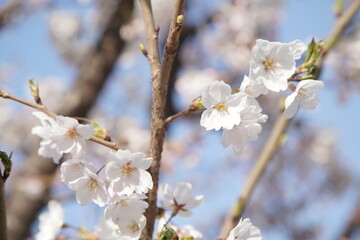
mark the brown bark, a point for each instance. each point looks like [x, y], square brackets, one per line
[22, 207]
[160, 73]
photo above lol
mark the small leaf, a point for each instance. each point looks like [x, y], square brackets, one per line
[338, 7]
[180, 19]
[6, 161]
[168, 234]
[310, 50]
[197, 104]
[34, 89]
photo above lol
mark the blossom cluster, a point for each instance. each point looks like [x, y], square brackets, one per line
[123, 187]
[125, 181]
[239, 114]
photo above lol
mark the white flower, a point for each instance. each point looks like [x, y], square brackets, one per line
[89, 188]
[126, 207]
[245, 231]
[253, 88]
[47, 145]
[273, 63]
[73, 169]
[222, 107]
[180, 199]
[248, 129]
[107, 229]
[131, 227]
[70, 136]
[127, 174]
[64, 25]
[304, 95]
[297, 48]
[50, 222]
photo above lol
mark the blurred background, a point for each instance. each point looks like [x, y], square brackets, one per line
[85, 55]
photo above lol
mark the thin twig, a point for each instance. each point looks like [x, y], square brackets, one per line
[160, 77]
[179, 114]
[255, 174]
[42, 108]
[152, 37]
[279, 128]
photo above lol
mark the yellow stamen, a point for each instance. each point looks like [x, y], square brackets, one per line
[134, 227]
[269, 63]
[128, 170]
[221, 107]
[92, 184]
[71, 133]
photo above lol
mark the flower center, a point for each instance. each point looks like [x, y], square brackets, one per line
[92, 184]
[128, 170]
[269, 63]
[122, 203]
[134, 227]
[221, 107]
[71, 133]
[77, 166]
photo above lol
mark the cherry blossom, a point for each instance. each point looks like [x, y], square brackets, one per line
[305, 96]
[48, 147]
[89, 188]
[297, 48]
[253, 88]
[106, 229]
[70, 136]
[131, 227]
[50, 222]
[245, 231]
[73, 169]
[273, 63]
[248, 129]
[179, 200]
[127, 174]
[222, 107]
[123, 207]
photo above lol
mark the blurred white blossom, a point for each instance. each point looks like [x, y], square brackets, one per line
[245, 231]
[50, 222]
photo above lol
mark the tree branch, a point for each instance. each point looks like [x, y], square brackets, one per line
[160, 77]
[51, 114]
[279, 128]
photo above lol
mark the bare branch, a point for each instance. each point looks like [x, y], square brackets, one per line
[160, 78]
